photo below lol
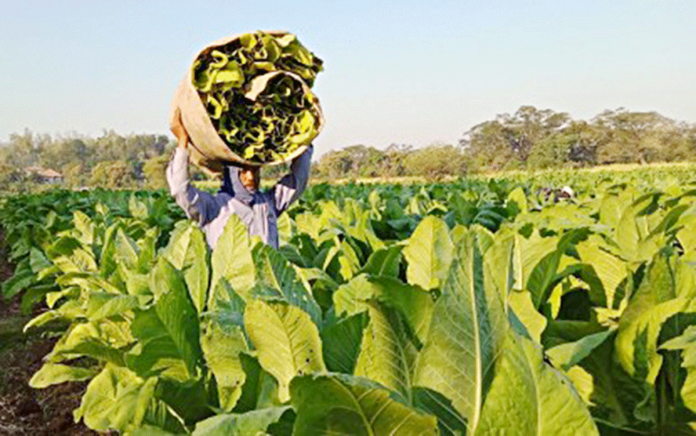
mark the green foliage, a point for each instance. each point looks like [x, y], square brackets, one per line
[478, 307]
[544, 138]
[114, 174]
[73, 175]
[154, 172]
[435, 161]
[75, 156]
[282, 117]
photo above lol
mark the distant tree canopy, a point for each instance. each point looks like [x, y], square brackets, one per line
[529, 138]
[535, 138]
[110, 160]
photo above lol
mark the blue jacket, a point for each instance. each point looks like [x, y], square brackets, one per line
[258, 210]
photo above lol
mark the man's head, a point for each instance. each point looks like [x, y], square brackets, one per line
[249, 176]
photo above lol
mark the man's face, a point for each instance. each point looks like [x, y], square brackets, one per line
[249, 176]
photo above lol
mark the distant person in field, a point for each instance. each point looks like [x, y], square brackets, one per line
[239, 194]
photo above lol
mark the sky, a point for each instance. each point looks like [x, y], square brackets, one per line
[396, 71]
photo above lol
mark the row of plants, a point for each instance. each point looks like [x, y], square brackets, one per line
[473, 308]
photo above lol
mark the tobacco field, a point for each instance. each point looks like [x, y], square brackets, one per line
[478, 307]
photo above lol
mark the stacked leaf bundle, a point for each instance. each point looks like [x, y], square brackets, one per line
[265, 126]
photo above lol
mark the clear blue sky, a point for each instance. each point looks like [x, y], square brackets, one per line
[400, 71]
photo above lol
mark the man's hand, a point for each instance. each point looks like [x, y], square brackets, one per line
[179, 131]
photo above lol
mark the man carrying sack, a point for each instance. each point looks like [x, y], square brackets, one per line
[239, 194]
[246, 102]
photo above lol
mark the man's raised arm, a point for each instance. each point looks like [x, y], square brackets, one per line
[290, 187]
[198, 205]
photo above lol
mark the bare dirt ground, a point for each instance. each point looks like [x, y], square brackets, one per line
[23, 410]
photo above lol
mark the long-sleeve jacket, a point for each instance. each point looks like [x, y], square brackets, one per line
[258, 210]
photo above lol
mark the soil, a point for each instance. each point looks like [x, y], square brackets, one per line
[24, 410]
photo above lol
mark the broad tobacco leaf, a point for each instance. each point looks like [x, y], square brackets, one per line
[466, 335]
[610, 269]
[567, 355]
[54, 373]
[341, 342]
[231, 260]
[276, 279]
[654, 302]
[387, 355]
[116, 399]
[528, 254]
[429, 253]
[167, 332]
[334, 404]
[687, 343]
[187, 251]
[633, 231]
[412, 302]
[527, 396]
[286, 340]
[240, 424]
[221, 348]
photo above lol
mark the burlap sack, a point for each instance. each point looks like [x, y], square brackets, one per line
[207, 149]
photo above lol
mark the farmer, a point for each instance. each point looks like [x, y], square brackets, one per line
[239, 194]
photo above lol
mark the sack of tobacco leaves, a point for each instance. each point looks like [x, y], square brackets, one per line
[247, 99]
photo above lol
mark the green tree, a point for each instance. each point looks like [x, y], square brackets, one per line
[436, 161]
[112, 174]
[507, 141]
[634, 136]
[354, 161]
[576, 145]
[74, 175]
[154, 172]
[9, 174]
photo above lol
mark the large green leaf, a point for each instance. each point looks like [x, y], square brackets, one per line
[101, 305]
[529, 397]
[231, 259]
[610, 269]
[187, 251]
[83, 227]
[412, 302]
[528, 253]
[116, 399]
[567, 355]
[652, 304]
[221, 349]
[167, 332]
[611, 393]
[53, 373]
[633, 230]
[341, 342]
[125, 250]
[387, 355]
[104, 341]
[384, 262]
[260, 388]
[687, 343]
[277, 280]
[38, 261]
[466, 335]
[23, 278]
[343, 405]
[524, 311]
[428, 253]
[243, 424]
[286, 339]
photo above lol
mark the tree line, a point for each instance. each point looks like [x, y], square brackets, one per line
[110, 160]
[532, 138]
[528, 139]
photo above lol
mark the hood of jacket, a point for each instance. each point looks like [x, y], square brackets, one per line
[232, 185]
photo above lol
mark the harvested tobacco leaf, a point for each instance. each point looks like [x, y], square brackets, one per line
[283, 117]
